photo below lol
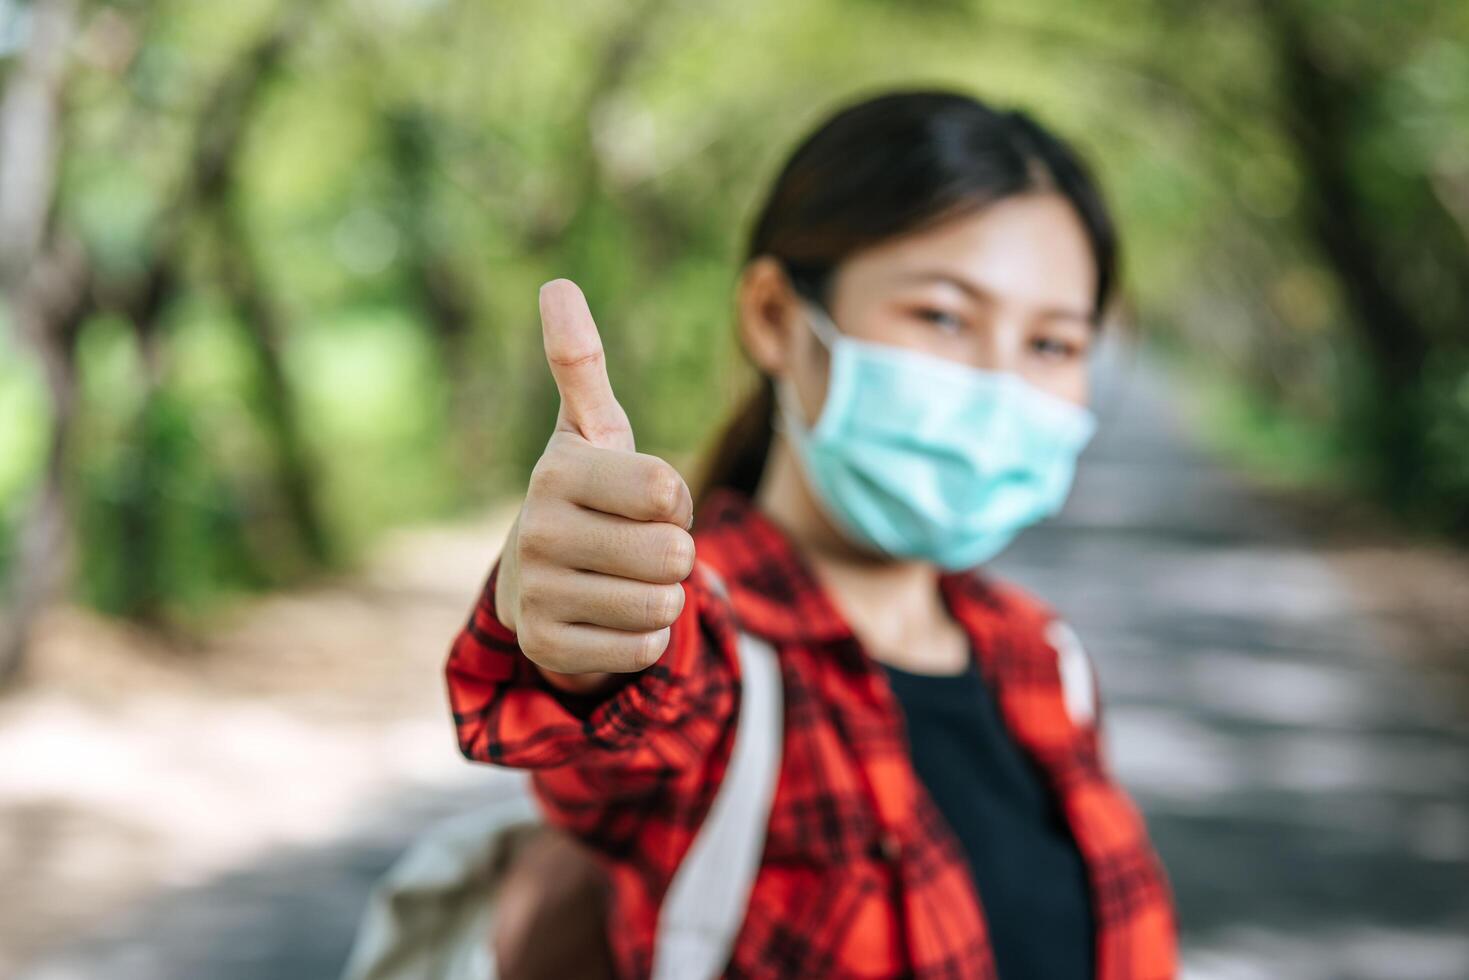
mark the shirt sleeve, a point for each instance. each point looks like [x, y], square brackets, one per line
[649, 726]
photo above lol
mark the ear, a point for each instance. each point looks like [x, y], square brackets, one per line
[768, 315]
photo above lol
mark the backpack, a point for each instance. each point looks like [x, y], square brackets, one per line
[430, 916]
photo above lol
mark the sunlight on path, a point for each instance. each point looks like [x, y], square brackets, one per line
[309, 719]
[1303, 765]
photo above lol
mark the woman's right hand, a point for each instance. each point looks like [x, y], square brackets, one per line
[589, 576]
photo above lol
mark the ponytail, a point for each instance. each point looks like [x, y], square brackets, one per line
[737, 457]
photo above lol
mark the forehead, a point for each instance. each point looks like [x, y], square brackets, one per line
[1027, 250]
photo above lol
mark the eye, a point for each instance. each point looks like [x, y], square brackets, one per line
[1053, 347]
[942, 318]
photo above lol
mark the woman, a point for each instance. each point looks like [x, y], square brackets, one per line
[920, 296]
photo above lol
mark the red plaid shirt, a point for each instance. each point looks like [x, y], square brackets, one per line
[861, 877]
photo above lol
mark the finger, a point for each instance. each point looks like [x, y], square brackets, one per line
[643, 551]
[607, 600]
[639, 486]
[580, 648]
[579, 365]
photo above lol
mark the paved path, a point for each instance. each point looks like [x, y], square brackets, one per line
[1308, 787]
[1306, 784]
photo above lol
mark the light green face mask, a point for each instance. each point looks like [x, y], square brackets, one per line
[922, 457]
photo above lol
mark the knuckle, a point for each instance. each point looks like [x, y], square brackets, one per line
[550, 476]
[528, 545]
[650, 648]
[579, 358]
[541, 647]
[602, 429]
[537, 539]
[664, 605]
[532, 640]
[532, 598]
[665, 489]
[678, 558]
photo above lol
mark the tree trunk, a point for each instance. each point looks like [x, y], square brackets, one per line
[1398, 327]
[45, 281]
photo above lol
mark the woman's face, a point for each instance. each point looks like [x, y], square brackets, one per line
[1008, 288]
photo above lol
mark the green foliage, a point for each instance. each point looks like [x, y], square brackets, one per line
[23, 436]
[1246, 423]
[1447, 409]
[375, 394]
[350, 336]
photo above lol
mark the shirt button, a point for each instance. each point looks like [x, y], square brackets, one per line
[889, 846]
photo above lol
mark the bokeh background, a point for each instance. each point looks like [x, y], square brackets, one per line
[271, 379]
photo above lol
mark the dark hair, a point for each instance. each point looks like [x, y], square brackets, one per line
[891, 165]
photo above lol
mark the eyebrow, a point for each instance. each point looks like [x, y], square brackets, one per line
[979, 292]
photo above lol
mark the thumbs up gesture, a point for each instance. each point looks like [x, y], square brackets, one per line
[589, 578]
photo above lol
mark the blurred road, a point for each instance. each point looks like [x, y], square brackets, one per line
[1303, 766]
[1304, 774]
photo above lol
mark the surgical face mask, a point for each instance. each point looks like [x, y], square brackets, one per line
[919, 456]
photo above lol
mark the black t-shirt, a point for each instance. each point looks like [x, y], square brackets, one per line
[1027, 869]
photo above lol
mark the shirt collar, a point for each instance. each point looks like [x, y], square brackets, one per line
[774, 590]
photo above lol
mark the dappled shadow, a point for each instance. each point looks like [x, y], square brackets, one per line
[1304, 775]
[1303, 770]
[291, 914]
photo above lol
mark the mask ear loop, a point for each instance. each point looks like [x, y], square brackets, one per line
[788, 406]
[787, 420]
[820, 324]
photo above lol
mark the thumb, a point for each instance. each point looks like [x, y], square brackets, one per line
[574, 352]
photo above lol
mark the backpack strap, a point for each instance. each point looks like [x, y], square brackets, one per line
[704, 907]
[1078, 685]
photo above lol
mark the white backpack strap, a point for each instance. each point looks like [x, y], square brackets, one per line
[1077, 684]
[705, 905]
